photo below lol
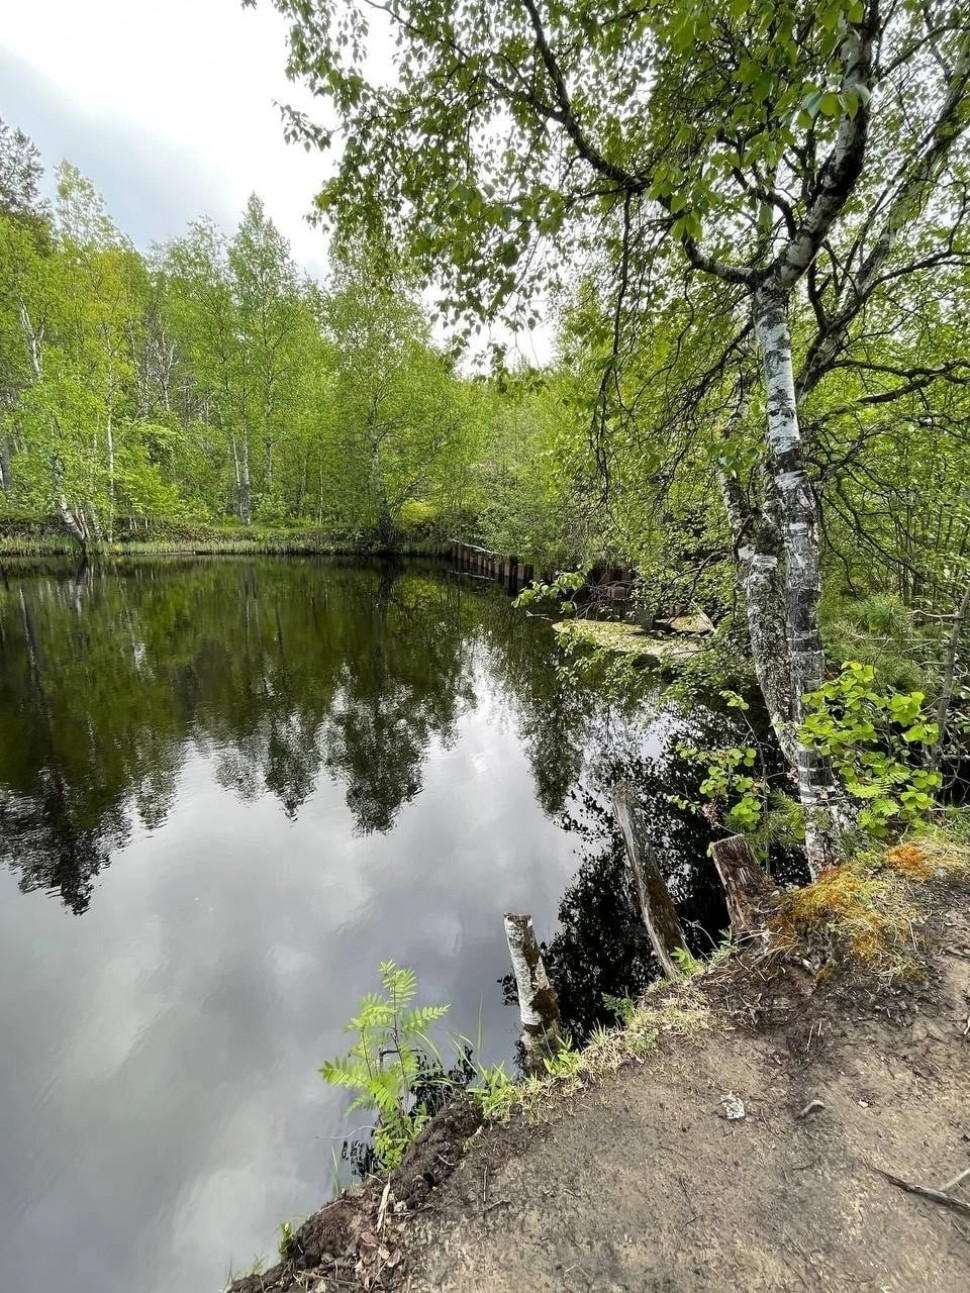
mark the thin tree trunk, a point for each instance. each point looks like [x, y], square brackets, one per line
[949, 677]
[301, 493]
[759, 575]
[109, 437]
[799, 527]
[385, 522]
[33, 340]
[245, 492]
[268, 464]
[74, 525]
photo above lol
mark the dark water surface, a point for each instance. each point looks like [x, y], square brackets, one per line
[228, 790]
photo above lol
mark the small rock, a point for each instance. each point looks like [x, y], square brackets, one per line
[732, 1107]
[691, 624]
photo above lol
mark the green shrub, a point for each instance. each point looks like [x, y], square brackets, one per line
[875, 740]
[389, 1061]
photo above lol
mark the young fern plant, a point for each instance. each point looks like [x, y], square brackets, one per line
[389, 1060]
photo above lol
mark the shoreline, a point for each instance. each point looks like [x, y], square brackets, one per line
[288, 543]
[783, 1088]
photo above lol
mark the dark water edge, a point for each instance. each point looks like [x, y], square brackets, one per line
[228, 789]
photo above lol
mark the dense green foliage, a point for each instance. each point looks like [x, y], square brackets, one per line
[875, 741]
[608, 160]
[753, 219]
[747, 227]
[210, 382]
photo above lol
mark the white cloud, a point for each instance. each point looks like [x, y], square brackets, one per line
[183, 92]
[170, 111]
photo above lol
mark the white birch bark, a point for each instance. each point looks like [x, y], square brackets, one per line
[245, 489]
[538, 1005]
[110, 442]
[759, 576]
[73, 524]
[799, 526]
[33, 340]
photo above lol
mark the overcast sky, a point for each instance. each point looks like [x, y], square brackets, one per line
[167, 105]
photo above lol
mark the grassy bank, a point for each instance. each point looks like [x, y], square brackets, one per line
[40, 541]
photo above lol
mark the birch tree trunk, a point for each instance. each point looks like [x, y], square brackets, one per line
[74, 525]
[538, 1005]
[759, 575]
[949, 677]
[245, 490]
[110, 440]
[797, 507]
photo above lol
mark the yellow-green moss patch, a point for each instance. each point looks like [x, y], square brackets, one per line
[627, 639]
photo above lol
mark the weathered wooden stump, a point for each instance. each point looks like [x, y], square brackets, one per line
[745, 883]
[538, 1004]
[659, 915]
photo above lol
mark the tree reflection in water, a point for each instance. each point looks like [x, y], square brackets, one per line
[602, 948]
[282, 673]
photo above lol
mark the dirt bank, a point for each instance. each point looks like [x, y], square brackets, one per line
[639, 1181]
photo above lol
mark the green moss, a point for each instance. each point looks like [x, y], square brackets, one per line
[628, 639]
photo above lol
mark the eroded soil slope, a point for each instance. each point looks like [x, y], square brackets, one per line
[640, 1183]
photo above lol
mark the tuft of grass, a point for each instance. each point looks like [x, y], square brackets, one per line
[867, 910]
[677, 1009]
[37, 545]
[285, 1241]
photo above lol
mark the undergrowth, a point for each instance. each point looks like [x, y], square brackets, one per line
[675, 1009]
[215, 541]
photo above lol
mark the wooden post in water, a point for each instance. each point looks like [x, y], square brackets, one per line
[745, 883]
[538, 1004]
[659, 916]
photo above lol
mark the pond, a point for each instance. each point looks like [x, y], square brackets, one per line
[228, 790]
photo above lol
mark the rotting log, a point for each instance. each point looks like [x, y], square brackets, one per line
[538, 1003]
[659, 915]
[745, 883]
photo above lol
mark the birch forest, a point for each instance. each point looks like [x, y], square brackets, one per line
[744, 227]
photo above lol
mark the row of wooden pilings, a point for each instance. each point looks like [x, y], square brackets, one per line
[606, 583]
[745, 883]
[480, 563]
